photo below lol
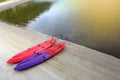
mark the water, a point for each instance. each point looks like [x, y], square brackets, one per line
[94, 24]
[22, 14]
[2, 1]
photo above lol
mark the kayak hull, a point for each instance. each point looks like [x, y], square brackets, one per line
[32, 61]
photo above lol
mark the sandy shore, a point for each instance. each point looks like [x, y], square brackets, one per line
[74, 63]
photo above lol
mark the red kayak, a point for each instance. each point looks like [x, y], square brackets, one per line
[31, 51]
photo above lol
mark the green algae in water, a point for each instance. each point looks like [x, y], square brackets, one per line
[2, 0]
[22, 14]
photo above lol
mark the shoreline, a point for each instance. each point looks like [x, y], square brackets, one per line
[12, 3]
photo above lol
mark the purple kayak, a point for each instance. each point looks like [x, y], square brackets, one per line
[40, 57]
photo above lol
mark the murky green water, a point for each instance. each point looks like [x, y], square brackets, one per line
[94, 24]
[22, 14]
[2, 0]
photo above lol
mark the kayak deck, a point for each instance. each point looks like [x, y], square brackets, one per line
[31, 51]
